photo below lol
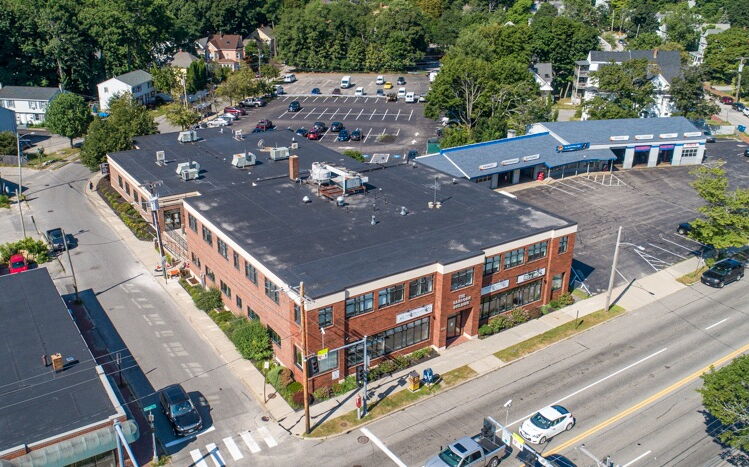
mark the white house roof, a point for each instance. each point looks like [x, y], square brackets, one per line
[32, 93]
[134, 78]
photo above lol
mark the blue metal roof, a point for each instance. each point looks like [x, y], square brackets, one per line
[601, 131]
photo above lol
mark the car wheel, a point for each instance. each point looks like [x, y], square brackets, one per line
[721, 284]
[569, 426]
[542, 440]
[741, 276]
[494, 462]
[682, 232]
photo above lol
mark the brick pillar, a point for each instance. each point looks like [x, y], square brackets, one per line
[294, 167]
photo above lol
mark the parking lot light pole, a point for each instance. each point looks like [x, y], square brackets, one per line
[613, 265]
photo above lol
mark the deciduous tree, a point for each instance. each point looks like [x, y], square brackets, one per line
[181, 116]
[725, 395]
[723, 52]
[625, 91]
[688, 95]
[68, 116]
[724, 222]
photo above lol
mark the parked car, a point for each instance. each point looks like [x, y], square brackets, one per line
[547, 423]
[316, 91]
[484, 449]
[336, 126]
[217, 122]
[336, 91]
[319, 126]
[401, 93]
[391, 97]
[684, 228]
[56, 239]
[380, 92]
[726, 100]
[709, 138]
[314, 134]
[380, 80]
[422, 98]
[412, 154]
[745, 111]
[722, 273]
[278, 89]
[301, 132]
[411, 97]
[254, 102]
[355, 135]
[295, 106]
[746, 152]
[179, 409]
[401, 81]
[360, 91]
[289, 78]
[738, 106]
[17, 263]
[343, 135]
[388, 85]
[229, 117]
[236, 111]
[264, 125]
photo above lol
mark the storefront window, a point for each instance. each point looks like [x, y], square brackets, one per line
[557, 281]
[461, 279]
[389, 341]
[492, 305]
[173, 219]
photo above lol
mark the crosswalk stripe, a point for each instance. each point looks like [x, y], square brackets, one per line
[247, 438]
[267, 436]
[215, 454]
[233, 449]
[197, 458]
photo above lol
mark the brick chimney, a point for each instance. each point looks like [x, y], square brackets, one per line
[294, 167]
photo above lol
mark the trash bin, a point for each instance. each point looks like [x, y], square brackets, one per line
[414, 382]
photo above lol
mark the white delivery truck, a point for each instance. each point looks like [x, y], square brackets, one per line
[346, 82]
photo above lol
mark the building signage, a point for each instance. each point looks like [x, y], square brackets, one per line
[642, 148]
[619, 138]
[322, 354]
[531, 275]
[668, 135]
[510, 161]
[461, 301]
[495, 286]
[691, 145]
[573, 147]
[488, 166]
[666, 147]
[532, 157]
[411, 314]
[643, 136]
[518, 441]
[335, 375]
[693, 134]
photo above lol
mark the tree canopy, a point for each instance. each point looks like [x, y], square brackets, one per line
[68, 116]
[722, 54]
[624, 91]
[688, 95]
[725, 395]
[724, 222]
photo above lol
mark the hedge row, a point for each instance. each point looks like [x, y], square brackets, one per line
[35, 250]
[520, 316]
[130, 217]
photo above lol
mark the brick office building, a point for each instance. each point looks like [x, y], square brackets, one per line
[399, 252]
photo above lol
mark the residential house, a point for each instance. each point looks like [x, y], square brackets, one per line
[699, 55]
[182, 60]
[544, 76]
[667, 67]
[225, 49]
[138, 83]
[265, 35]
[28, 102]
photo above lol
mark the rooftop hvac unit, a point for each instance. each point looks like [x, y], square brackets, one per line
[187, 136]
[160, 157]
[278, 154]
[319, 173]
[243, 159]
[238, 135]
[294, 145]
[188, 170]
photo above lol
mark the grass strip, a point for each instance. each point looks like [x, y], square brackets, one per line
[692, 277]
[556, 334]
[388, 404]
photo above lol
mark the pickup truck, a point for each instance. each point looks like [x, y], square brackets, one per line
[483, 449]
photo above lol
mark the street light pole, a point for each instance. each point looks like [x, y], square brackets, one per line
[305, 364]
[72, 271]
[153, 202]
[20, 172]
[738, 84]
[613, 270]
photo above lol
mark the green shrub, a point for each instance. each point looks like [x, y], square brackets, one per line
[518, 316]
[356, 155]
[35, 250]
[348, 384]
[285, 377]
[500, 323]
[273, 375]
[252, 341]
[421, 353]
[486, 330]
[293, 388]
[4, 201]
[208, 300]
[323, 393]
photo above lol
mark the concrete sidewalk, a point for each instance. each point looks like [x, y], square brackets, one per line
[477, 353]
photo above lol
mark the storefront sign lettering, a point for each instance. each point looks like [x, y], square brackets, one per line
[693, 134]
[411, 314]
[573, 147]
[691, 145]
[461, 301]
[668, 135]
[619, 138]
[495, 286]
[532, 157]
[642, 148]
[510, 161]
[643, 136]
[488, 166]
[666, 147]
[531, 275]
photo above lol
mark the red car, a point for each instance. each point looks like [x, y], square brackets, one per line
[264, 125]
[726, 100]
[17, 264]
[314, 134]
[235, 111]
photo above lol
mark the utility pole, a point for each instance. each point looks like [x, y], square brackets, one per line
[20, 210]
[72, 271]
[738, 84]
[20, 172]
[153, 203]
[305, 364]
[613, 270]
[366, 370]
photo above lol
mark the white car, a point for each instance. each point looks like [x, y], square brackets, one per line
[359, 91]
[228, 117]
[547, 423]
[380, 80]
[401, 93]
[289, 78]
[410, 97]
[745, 111]
[217, 123]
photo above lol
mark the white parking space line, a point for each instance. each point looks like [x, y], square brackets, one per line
[385, 114]
[383, 131]
[251, 444]
[305, 98]
[410, 115]
[365, 138]
[336, 111]
[296, 114]
[397, 132]
[267, 437]
[668, 251]
[285, 98]
[637, 459]
[323, 112]
[382, 447]
[283, 114]
[236, 454]
[398, 115]
[215, 455]
[360, 112]
[346, 100]
[715, 324]
[310, 112]
[324, 134]
[553, 186]
[674, 243]
[346, 116]
[568, 185]
[621, 370]
[197, 458]
[373, 112]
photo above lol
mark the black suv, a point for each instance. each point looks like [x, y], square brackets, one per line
[295, 106]
[56, 239]
[335, 127]
[723, 272]
[320, 126]
[180, 411]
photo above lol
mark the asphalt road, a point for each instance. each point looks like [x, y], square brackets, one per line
[649, 205]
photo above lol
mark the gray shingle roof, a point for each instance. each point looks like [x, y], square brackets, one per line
[34, 93]
[183, 59]
[669, 61]
[600, 131]
[135, 78]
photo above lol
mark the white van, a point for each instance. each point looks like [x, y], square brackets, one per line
[346, 82]
[410, 97]
[289, 78]
[380, 80]
[359, 91]
[401, 92]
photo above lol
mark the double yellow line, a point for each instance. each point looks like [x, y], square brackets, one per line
[647, 401]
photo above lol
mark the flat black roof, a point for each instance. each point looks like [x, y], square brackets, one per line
[35, 402]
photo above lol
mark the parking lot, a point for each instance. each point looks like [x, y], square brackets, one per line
[649, 205]
[393, 127]
[326, 82]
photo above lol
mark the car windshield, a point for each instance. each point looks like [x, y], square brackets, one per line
[541, 421]
[721, 269]
[181, 408]
[55, 234]
[17, 264]
[449, 457]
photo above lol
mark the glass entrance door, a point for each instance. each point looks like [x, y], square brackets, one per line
[454, 326]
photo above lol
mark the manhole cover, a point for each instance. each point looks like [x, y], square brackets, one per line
[264, 418]
[362, 440]
[344, 424]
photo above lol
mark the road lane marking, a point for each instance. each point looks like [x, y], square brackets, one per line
[188, 438]
[596, 382]
[636, 459]
[215, 455]
[382, 447]
[719, 322]
[236, 454]
[649, 400]
[269, 440]
[247, 438]
[197, 458]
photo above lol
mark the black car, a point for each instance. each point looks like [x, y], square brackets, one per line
[723, 272]
[56, 239]
[355, 135]
[709, 138]
[336, 126]
[336, 91]
[746, 152]
[738, 106]
[180, 410]
[301, 132]
[412, 154]
[401, 81]
[320, 126]
[684, 228]
[343, 135]
[295, 106]
[380, 92]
